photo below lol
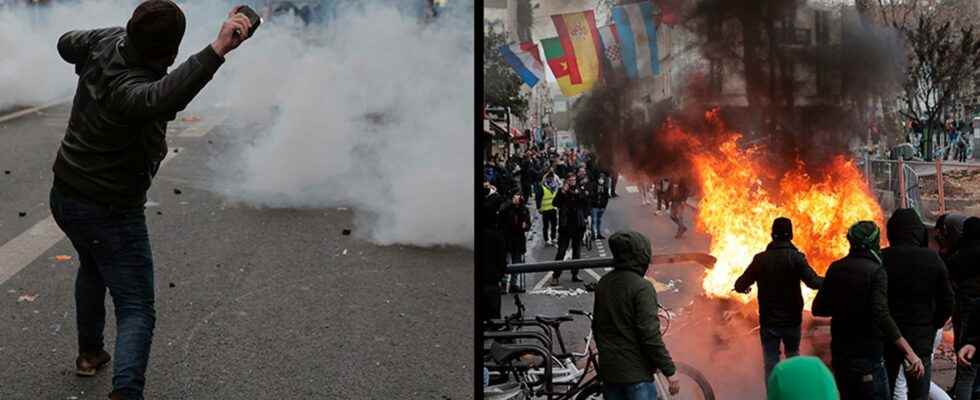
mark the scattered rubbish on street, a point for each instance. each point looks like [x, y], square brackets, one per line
[177, 191]
[62, 258]
[210, 142]
[345, 252]
[22, 214]
[6, 172]
[191, 119]
[176, 151]
[346, 232]
[151, 203]
[172, 285]
[159, 212]
[27, 297]
[560, 292]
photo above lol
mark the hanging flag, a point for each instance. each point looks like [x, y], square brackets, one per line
[611, 48]
[638, 37]
[574, 55]
[525, 60]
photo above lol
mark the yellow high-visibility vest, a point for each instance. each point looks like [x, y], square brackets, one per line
[547, 198]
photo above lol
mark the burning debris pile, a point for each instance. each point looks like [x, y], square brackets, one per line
[743, 194]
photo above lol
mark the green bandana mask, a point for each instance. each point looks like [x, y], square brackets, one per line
[865, 235]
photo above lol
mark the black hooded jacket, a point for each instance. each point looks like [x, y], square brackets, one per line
[778, 272]
[626, 327]
[115, 142]
[964, 265]
[855, 295]
[920, 297]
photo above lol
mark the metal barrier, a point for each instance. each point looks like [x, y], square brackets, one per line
[931, 187]
[706, 260]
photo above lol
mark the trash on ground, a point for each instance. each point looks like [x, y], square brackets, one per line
[27, 297]
[345, 252]
[346, 232]
[62, 258]
[177, 191]
[172, 284]
[22, 214]
[560, 292]
[151, 203]
[191, 119]
[6, 172]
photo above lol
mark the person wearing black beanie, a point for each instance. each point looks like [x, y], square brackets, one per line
[778, 271]
[112, 148]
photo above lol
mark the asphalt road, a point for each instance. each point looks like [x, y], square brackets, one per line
[251, 303]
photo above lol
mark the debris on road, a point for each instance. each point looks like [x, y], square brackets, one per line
[172, 285]
[177, 191]
[345, 252]
[560, 292]
[346, 232]
[62, 258]
[191, 119]
[22, 214]
[176, 151]
[27, 297]
[6, 172]
[159, 212]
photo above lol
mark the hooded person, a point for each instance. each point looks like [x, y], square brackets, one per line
[949, 230]
[802, 378]
[965, 274]
[626, 326]
[855, 295]
[778, 272]
[112, 148]
[920, 297]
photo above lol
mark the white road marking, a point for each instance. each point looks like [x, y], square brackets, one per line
[540, 284]
[32, 110]
[594, 275]
[22, 250]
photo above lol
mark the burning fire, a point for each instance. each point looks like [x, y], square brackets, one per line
[742, 195]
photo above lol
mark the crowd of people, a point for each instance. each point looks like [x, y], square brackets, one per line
[887, 306]
[954, 141]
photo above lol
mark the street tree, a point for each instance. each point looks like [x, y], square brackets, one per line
[501, 86]
[941, 59]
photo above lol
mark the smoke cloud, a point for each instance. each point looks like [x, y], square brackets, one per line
[372, 110]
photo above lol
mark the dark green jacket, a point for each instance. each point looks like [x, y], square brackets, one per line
[625, 324]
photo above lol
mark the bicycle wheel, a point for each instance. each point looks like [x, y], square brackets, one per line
[694, 386]
[591, 392]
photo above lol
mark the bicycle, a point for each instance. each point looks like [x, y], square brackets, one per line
[563, 369]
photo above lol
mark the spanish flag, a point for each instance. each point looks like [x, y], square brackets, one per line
[574, 55]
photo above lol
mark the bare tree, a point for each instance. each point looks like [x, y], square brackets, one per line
[941, 59]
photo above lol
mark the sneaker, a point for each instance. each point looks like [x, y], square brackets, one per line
[87, 364]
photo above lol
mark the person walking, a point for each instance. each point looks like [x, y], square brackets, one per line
[855, 295]
[663, 194]
[573, 205]
[600, 198]
[920, 297]
[626, 326]
[549, 214]
[515, 221]
[678, 201]
[101, 174]
[493, 255]
[778, 272]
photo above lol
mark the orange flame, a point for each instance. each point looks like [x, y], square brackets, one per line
[737, 208]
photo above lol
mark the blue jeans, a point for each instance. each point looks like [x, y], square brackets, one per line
[113, 248]
[771, 337]
[861, 379]
[597, 220]
[630, 391]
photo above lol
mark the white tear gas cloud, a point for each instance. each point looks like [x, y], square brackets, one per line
[373, 110]
[31, 71]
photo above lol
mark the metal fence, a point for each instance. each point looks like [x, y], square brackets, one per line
[931, 187]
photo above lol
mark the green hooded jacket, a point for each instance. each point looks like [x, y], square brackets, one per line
[625, 324]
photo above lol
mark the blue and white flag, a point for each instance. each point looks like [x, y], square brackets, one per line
[637, 33]
[525, 60]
